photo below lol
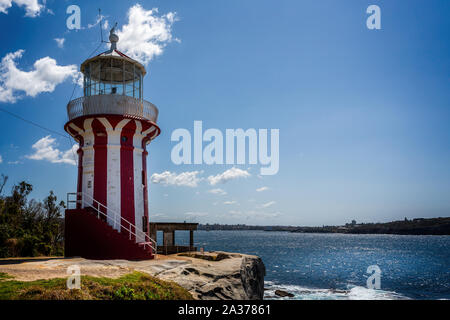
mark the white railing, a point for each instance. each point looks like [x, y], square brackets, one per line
[141, 237]
[112, 104]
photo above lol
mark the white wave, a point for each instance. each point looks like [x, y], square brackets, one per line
[362, 293]
[351, 293]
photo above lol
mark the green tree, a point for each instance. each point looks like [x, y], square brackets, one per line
[29, 227]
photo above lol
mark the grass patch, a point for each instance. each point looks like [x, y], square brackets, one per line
[133, 286]
[5, 276]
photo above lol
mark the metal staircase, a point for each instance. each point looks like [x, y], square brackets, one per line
[112, 218]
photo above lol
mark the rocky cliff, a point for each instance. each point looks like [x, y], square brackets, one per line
[220, 275]
[213, 275]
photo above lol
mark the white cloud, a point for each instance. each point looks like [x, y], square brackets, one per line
[252, 214]
[32, 7]
[196, 214]
[60, 42]
[218, 191]
[230, 202]
[105, 25]
[146, 34]
[187, 179]
[44, 77]
[158, 215]
[262, 189]
[1, 159]
[266, 215]
[230, 174]
[97, 21]
[268, 204]
[46, 149]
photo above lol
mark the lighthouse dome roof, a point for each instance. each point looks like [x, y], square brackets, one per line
[116, 55]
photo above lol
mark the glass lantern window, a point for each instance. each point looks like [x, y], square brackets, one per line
[113, 76]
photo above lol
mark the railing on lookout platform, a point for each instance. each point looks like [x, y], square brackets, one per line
[112, 104]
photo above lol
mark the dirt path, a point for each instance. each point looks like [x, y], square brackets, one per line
[30, 269]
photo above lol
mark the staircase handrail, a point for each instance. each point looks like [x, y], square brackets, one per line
[142, 235]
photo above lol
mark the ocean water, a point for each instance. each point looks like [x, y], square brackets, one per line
[334, 266]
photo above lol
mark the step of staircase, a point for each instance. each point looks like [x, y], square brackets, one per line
[91, 237]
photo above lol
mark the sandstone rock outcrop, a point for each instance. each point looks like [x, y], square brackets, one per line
[236, 277]
[212, 275]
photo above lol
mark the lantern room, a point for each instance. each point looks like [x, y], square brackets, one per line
[112, 72]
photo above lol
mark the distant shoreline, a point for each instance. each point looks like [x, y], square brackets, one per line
[419, 226]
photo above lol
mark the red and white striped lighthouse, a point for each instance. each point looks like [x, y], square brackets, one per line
[113, 125]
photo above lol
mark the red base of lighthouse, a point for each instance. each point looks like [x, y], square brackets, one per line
[88, 237]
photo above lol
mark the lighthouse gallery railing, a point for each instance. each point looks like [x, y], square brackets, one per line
[141, 237]
[112, 104]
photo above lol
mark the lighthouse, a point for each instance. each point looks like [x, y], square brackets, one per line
[107, 217]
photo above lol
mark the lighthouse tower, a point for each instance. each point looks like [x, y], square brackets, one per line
[108, 215]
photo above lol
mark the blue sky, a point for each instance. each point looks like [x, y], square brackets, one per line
[363, 114]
